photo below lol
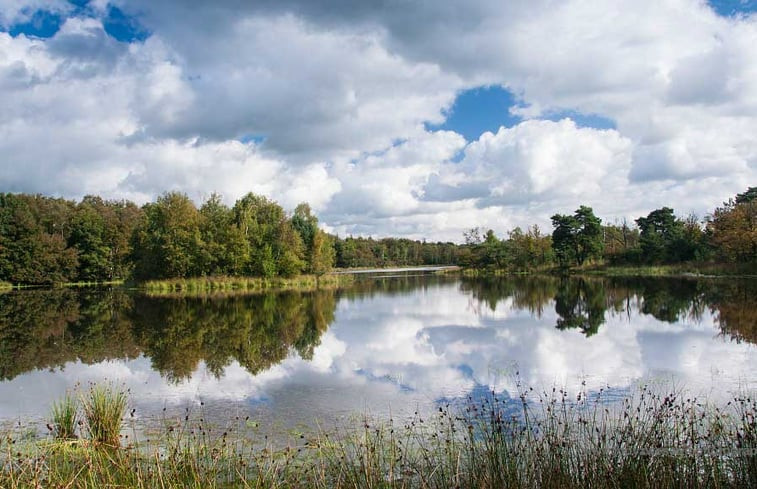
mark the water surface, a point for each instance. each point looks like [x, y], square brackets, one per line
[395, 344]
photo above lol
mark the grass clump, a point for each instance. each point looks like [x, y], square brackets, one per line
[532, 440]
[65, 417]
[104, 407]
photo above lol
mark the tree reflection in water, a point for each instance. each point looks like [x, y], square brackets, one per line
[257, 331]
[582, 302]
[45, 329]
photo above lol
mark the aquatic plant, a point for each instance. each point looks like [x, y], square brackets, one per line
[547, 439]
[225, 284]
[104, 407]
[64, 414]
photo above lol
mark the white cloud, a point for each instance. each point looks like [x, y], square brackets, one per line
[339, 94]
[543, 160]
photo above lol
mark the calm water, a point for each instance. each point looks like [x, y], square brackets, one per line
[388, 345]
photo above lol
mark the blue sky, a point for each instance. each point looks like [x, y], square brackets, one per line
[45, 23]
[733, 7]
[487, 108]
[478, 110]
[421, 122]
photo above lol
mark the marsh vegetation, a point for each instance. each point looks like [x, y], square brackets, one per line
[285, 367]
[548, 439]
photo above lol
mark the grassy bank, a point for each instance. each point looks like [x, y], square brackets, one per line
[242, 284]
[704, 269]
[9, 286]
[499, 272]
[679, 269]
[547, 440]
[91, 284]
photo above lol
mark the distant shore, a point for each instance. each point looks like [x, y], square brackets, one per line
[336, 278]
[409, 268]
[345, 276]
[678, 270]
[693, 269]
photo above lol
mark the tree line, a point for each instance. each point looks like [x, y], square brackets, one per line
[46, 240]
[728, 235]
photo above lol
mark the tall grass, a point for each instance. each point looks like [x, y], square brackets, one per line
[104, 407]
[546, 440]
[673, 270]
[204, 285]
[65, 415]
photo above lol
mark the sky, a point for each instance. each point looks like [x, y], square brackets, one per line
[391, 118]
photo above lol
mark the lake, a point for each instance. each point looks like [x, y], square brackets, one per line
[390, 345]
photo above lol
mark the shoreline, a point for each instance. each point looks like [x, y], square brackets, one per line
[202, 285]
[650, 438]
[682, 270]
[340, 277]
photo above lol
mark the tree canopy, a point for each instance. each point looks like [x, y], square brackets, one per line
[47, 240]
[578, 237]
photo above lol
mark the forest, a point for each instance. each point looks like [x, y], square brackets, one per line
[727, 236]
[46, 240]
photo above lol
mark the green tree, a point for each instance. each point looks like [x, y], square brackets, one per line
[750, 195]
[225, 251]
[34, 237]
[275, 247]
[577, 238]
[732, 229]
[168, 243]
[88, 236]
[289, 250]
[493, 251]
[322, 254]
[120, 219]
[528, 250]
[319, 249]
[305, 223]
[664, 238]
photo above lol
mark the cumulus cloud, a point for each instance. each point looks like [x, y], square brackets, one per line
[540, 160]
[334, 99]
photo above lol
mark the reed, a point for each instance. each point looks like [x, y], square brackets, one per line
[104, 407]
[705, 269]
[204, 285]
[550, 439]
[65, 416]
